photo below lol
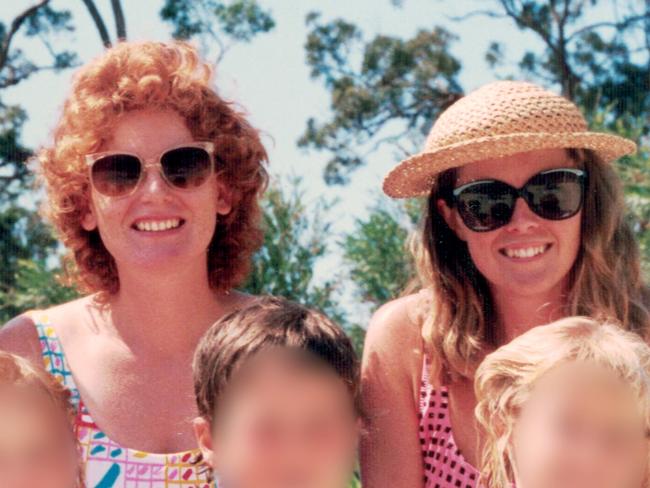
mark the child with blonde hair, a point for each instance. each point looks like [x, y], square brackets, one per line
[566, 405]
[37, 442]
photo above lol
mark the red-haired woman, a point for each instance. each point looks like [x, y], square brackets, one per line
[153, 183]
[524, 224]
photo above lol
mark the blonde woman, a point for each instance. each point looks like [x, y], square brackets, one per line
[566, 405]
[524, 224]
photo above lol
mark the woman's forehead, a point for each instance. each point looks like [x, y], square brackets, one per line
[148, 132]
[515, 169]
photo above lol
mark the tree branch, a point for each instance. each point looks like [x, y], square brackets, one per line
[99, 22]
[15, 25]
[476, 13]
[120, 24]
[614, 25]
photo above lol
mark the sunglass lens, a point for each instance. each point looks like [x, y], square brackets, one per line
[486, 206]
[555, 195]
[116, 175]
[186, 167]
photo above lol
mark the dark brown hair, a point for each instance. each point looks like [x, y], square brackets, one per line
[269, 322]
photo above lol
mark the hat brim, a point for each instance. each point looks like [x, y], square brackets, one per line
[413, 177]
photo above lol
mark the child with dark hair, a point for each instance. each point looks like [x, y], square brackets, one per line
[277, 388]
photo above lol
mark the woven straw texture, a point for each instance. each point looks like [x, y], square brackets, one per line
[497, 120]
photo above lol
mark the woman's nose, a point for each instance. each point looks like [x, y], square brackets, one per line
[523, 218]
[153, 184]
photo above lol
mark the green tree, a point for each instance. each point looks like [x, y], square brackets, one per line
[25, 242]
[296, 238]
[387, 91]
[42, 22]
[377, 258]
[635, 173]
[217, 24]
[376, 251]
[28, 278]
[597, 62]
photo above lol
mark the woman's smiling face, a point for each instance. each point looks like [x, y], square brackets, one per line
[529, 255]
[126, 224]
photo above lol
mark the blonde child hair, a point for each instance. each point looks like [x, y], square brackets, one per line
[19, 372]
[506, 377]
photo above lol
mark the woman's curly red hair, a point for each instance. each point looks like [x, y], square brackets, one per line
[151, 75]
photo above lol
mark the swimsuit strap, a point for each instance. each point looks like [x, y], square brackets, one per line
[54, 357]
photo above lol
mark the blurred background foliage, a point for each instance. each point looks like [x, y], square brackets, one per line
[384, 91]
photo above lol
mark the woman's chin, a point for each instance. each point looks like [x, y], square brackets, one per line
[160, 260]
[543, 283]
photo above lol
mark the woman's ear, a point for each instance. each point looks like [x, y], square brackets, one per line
[89, 221]
[203, 434]
[452, 219]
[224, 198]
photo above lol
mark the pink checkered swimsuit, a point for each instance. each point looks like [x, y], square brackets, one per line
[106, 463]
[444, 465]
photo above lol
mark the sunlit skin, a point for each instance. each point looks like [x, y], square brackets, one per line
[37, 446]
[163, 279]
[283, 425]
[520, 276]
[581, 428]
[148, 133]
[526, 292]
[537, 284]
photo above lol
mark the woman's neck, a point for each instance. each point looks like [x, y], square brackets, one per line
[166, 312]
[516, 314]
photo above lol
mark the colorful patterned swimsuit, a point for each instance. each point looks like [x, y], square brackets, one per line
[106, 463]
[444, 465]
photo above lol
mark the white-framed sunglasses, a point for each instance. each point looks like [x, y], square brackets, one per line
[184, 167]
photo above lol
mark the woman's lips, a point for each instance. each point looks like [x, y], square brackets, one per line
[525, 251]
[157, 224]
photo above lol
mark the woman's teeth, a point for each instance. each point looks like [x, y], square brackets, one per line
[526, 252]
[157, 225]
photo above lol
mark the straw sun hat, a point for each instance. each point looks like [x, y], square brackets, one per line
[499, 119]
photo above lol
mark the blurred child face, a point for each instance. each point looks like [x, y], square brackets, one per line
[37, 447]
[285, 423]
[581, 428]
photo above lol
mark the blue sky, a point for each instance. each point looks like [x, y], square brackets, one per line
[270, 80]
[268, 77]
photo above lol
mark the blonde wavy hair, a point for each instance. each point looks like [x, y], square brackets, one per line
[151, 75]
[605, 280]
[18, 371]
[506, 377]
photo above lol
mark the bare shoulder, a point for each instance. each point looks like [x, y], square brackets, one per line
[19, 335]
[393, 350]
[397, 324]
